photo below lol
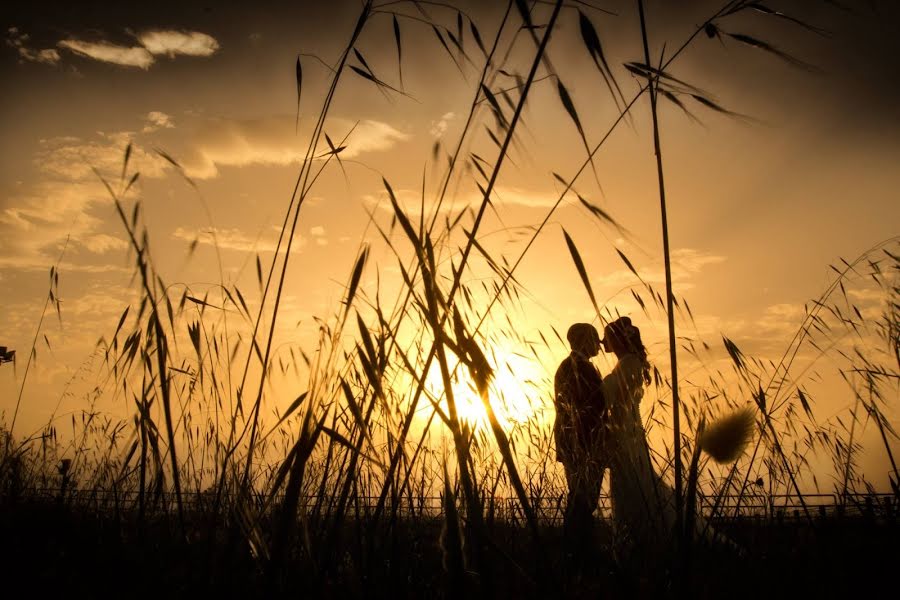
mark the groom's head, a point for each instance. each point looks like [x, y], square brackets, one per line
[584, 339]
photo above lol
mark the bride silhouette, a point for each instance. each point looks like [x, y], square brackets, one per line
[643, 505]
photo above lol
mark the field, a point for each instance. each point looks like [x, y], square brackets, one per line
[66, 549]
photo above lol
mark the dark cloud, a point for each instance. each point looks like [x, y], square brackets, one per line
[20, 42]
[839, 62]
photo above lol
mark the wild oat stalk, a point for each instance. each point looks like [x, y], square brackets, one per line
[670, 297]
[149, 282]
[52, 298]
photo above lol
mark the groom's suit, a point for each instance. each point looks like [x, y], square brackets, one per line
[580, 434]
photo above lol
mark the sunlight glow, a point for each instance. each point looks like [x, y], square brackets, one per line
[516, 390]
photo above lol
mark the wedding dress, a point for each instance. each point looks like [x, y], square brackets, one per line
[642, 504]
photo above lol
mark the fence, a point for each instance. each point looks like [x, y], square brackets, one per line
[547, 509]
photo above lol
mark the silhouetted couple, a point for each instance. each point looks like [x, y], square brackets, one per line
[598, 426]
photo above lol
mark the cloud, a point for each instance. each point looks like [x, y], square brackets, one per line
[52, 202]
[272, 141]
[157, 120]
[687, 263]
[135, 56]
[867, 295]
[318, 234]
[692, 261]
[172, 43]
[764, 334]
[152, 43]
[781, 311]
[18, 40]
[411, 200]
[63, 202]
[75, 159]
[35, 228]
[773, 329]
[99, 301]
[101, 243]
[234, 239]
[439, 128]
[519, 197]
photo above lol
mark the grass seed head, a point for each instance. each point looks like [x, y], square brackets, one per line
[725, 439]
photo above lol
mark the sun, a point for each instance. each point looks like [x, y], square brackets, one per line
[515, 392]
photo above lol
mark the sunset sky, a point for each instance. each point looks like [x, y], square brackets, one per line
[760, 204]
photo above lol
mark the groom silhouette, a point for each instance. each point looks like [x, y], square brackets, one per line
[580, 431]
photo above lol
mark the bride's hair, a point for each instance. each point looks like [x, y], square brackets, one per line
[622, 334]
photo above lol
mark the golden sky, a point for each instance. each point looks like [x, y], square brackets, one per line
[759, 205]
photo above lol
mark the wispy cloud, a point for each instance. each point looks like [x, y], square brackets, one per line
[73, 158]
[99, 301]
[687, 263]
[65, 199]
[157, 120]
[19, 41]
[101, 243]
[411, 200]
[234, 239]
[691, 260]
[767, 333]
[63, 203]
[527, 198]
[318, 234]
[271, 141]
[51, 202]
[439, 128]
[34, 229]
[135, 56]
[172, 43]
[151, 43]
